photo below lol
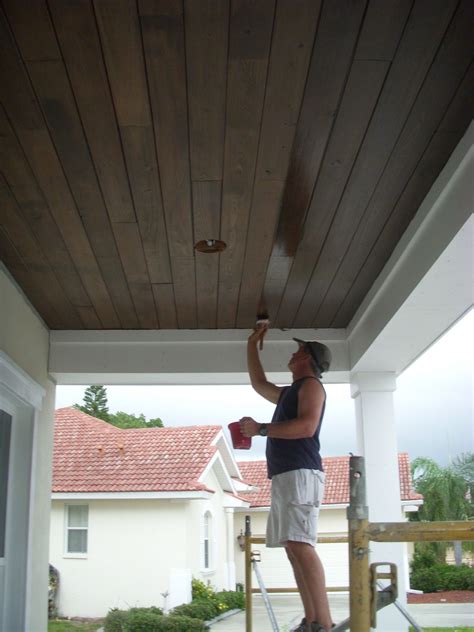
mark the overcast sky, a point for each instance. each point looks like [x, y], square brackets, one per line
[434, 403]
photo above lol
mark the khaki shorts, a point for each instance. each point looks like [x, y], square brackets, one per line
[296, 499]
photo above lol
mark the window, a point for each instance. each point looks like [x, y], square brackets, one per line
[77, 521]
[207, 540]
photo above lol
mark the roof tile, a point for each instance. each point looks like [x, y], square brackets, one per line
[336, 489]
[91, 455]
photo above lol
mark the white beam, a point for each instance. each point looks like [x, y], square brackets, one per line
[180, 357]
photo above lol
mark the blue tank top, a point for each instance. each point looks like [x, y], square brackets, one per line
[284, 455]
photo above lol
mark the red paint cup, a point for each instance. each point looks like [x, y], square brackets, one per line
[238, 440]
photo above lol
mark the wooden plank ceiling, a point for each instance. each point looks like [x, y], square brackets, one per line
[303, 133]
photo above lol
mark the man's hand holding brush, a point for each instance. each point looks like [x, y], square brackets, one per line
[262, 325]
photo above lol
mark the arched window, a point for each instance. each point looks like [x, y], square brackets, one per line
[207, 541]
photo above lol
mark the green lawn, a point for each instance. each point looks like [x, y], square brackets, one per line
[62, 625]
[455, 629]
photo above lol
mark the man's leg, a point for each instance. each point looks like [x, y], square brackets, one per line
[305, 594]
[309, 575]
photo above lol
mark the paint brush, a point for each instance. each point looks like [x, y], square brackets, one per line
[262, 321]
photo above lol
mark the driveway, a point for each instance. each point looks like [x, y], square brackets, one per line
[288, 612]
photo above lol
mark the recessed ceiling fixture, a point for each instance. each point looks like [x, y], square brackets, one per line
[210, 245]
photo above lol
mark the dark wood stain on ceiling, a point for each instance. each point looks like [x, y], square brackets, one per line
[303, 133]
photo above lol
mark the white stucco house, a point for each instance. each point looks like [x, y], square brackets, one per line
[136, 513]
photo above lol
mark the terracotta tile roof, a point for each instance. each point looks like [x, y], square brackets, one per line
[336, 490]
[91, 455]
[406, 483]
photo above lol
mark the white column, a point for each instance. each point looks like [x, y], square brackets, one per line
[377, 442]
[230, 549]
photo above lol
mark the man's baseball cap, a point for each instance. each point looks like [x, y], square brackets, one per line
[319, 352]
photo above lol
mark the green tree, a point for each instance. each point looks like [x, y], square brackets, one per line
[127, 420]
[95, 402]
[446, 497]
[464, 466]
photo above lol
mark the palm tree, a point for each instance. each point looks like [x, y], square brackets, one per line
[446, 497]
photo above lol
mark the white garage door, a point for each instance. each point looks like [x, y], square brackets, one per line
[276, 570]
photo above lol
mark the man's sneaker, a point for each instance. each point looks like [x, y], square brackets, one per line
[302, 627]
[317, 627]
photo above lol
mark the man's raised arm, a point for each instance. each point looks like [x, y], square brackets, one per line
[257, 374]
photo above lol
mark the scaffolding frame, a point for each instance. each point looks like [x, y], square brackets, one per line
[364, 579]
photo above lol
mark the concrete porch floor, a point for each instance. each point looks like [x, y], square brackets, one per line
[288, 612]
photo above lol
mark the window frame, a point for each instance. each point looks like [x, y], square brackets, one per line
[67, 529]
[207, 536]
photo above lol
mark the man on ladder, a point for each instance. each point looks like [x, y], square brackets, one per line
[295, 467]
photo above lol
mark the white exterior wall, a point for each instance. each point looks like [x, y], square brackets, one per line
[275, 567]
[135, 547]
[217, 575]
[24, 339]
[132, 545]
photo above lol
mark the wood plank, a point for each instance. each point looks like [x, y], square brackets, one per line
[165, 305]
[77, 34]
[35, 210]
[80, 44]
[275, 282]
[293, 35]
[127, 236]
[163, 40]
[441, 84]
[443, 143]
[50, 82]
[139, 148]
[39, 269]
[93, 227]
[184, 287]
[380, 33]
[10, 256]
[14, 88]
[32, 25]
[426, 27]
[331, 60]
[262, 226]
[120, 34]
[292, 42]
[206, 211]
[249, 46]
[358, 102]
[383, 25]
[53, 88]
[206, 28]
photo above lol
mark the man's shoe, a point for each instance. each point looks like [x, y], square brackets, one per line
[302, 627]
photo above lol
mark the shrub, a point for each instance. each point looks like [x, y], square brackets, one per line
[142, 622]
[442, 577]
[115, 620]
[200, 590]
[150, 610]
[232, 599]
[423, 558]
[203, 609]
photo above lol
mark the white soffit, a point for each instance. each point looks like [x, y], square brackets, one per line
[427, 285]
